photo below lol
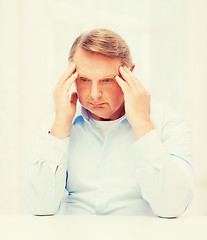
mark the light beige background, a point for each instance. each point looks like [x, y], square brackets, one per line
[168, 40]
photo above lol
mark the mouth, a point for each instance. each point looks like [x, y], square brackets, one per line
[97, 105]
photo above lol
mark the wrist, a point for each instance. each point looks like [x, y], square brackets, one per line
[141, 127]
[61, 127]
[63, 117]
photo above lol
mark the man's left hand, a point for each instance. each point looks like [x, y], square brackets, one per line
[137, 102]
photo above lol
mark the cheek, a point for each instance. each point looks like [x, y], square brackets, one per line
[116, 96]
[82, 92]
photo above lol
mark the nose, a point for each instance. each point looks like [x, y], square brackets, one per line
[95, 91]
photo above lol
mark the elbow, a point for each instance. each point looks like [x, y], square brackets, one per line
[45, 212]
[39, 207]
[169, 213]
[173, 208]
[39, 203]
[41, 210]
[174, 198]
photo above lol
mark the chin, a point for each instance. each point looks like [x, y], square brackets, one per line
[96, 115]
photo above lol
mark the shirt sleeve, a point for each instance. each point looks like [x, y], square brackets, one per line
[163, 166]
[44, 184]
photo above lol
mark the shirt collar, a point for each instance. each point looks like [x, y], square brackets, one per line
[81, 113]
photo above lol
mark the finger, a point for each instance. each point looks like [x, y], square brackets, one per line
[133, 78]
[68, 83]
[67, 74]
[125, 76]
[124, 86]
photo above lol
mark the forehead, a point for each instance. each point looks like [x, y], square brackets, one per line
[94, 65]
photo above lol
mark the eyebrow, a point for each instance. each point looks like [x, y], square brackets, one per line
[107, 77]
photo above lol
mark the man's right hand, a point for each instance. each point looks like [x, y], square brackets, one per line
[65, 107]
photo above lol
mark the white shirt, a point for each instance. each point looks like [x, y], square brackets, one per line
[114, 174]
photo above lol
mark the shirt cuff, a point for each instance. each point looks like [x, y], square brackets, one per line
[55, 151]
[149, 151]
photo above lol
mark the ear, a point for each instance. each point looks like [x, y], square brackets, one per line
[132, 67]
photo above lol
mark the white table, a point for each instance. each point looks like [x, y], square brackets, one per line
[14, 227]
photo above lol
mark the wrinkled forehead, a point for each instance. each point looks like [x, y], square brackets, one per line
[94, 65]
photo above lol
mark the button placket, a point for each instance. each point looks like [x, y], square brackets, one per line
[100, 199]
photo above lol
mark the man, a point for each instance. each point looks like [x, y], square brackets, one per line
[113, 152]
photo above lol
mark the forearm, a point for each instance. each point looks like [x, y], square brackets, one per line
[43, 189]
[169, 190]
[44, 183]
[61, 127]
[165, 179]
[141, 127]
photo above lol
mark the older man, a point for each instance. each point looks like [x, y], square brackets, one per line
[116, 151]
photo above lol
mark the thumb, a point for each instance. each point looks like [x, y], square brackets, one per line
[74, 98]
